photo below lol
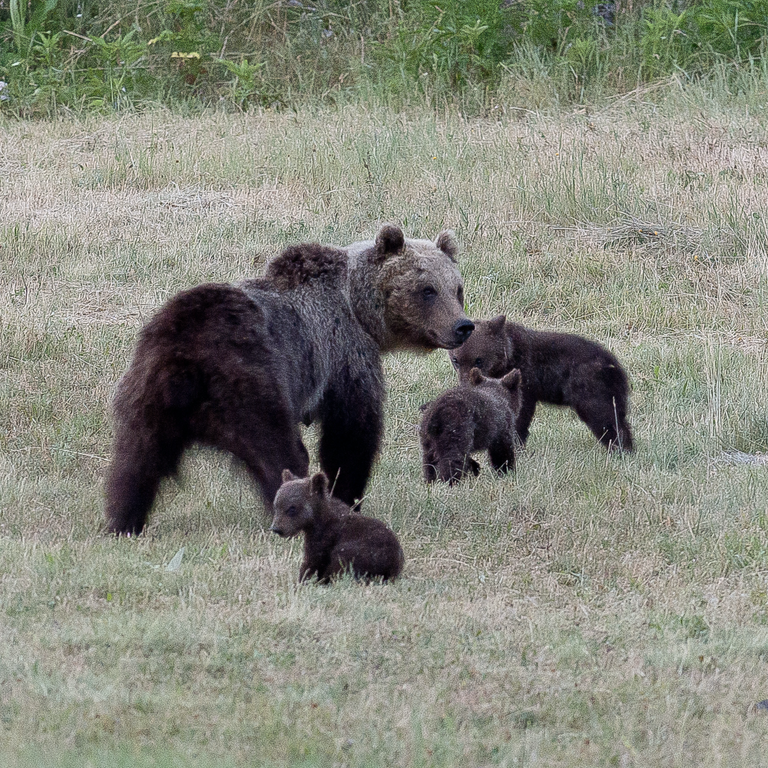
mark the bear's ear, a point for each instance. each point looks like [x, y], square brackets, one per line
[476, 377]
[319, 484]
[288, 476]
[389, 240]
[513, 380]
[497, 324]
[446, 242]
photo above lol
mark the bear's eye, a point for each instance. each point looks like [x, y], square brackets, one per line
[291, 511]
[478, 362]
[428, 293]
[455, 363]
[460, 295]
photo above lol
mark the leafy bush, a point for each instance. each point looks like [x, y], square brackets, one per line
[735, 29]
[455, 41]
[89, 54]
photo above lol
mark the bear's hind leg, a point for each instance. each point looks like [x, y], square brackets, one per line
[607, 421]
[502, 454]
[471, 466]
[138, 465]
[454, 465]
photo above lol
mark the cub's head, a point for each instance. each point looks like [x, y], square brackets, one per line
[510, 386]
[487, 349]
[420, 293]
[297, 501]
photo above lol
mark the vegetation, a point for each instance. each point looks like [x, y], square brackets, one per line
[80, 55]
[606, 170]
[592, 610]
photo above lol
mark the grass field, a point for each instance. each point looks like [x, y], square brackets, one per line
[592, 610]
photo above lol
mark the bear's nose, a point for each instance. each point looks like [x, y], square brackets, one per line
[462, 330]
[276, 529]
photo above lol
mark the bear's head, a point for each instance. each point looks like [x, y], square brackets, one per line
[408, 294]
[297, 502]
[487, 349]
[509, 387]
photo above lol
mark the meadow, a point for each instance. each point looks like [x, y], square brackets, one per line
[591, 610]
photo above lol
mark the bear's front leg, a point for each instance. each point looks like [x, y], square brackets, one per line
[352, 426]
[524, 418]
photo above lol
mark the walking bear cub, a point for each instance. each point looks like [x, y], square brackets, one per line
[239, 367]
[475, 416]
[336, 539]
[557, 368]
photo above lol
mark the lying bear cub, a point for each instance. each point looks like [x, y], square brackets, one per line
[336, 539]
[478, 415]
[557, 368]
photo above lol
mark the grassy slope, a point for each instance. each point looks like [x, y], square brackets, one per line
[594, 610]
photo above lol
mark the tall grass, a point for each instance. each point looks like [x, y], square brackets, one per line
[58, 55]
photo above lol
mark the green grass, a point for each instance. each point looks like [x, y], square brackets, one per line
[592, 610]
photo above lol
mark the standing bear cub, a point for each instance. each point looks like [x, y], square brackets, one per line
[557, 368]
[475, 416]
[239, 367]
[336, 539]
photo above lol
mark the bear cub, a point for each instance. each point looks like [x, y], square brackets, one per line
[336, 539]
[557, 368]
[475, 416]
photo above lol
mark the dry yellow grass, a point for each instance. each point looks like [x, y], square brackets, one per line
[593, 610]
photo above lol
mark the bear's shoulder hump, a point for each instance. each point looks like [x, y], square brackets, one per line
[301, 264]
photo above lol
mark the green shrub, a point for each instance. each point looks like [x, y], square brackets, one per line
[89, 54]
[454, 42]
[664, 42]
[735, 29]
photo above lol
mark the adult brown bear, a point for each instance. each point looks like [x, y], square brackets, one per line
[238, 367]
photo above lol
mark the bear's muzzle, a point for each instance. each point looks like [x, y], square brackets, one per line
[462, 331]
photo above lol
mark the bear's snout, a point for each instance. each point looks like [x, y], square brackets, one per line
[276, 529]
[463, 330]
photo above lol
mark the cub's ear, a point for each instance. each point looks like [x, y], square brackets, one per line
[319, 484]
[513, 380]
[476, 377]
[497, 324]
[389, 240]
[288, 476]
[446, 242]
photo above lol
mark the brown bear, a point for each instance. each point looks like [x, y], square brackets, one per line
[336, 539]
[557, 368]
[238, 367]
[475, 416]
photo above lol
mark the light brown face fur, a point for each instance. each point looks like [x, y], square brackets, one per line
[424, 295]
[296, 503]
[486, 349]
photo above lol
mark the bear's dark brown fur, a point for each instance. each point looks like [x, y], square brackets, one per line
[336, 539]
[475, 416]
[557, 368]
[238, 367]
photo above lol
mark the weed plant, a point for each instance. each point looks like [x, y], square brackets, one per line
[591, 610]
